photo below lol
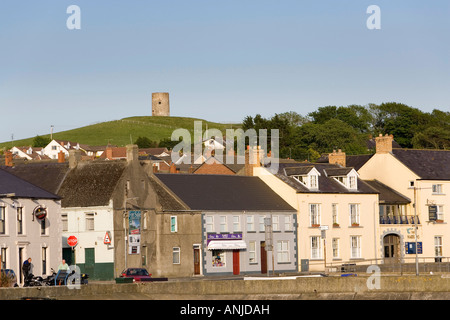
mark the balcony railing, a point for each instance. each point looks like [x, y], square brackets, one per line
[399, 220]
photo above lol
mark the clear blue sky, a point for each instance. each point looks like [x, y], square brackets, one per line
[219, 60]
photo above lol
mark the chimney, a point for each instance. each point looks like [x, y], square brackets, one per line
[132, 153]
[109, 153]
[74, 158]
[155, 169]
[384, 143]
[8, 159]
[253, 158]
[337, 158]
[173, 168]
[61, 157]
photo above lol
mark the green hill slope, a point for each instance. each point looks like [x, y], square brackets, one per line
[122, 132]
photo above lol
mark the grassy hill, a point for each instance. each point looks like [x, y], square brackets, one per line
[122, 132]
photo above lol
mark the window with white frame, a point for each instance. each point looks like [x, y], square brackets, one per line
[43, 223]
[316, 251]
[313, 181]
[355, 247]
[44, 260]
[250, 223]
[352, 182]
[283, 251]
[440, 212]
[354, 213]
[176, 255]
[3, 264]
[223, 224]
[438, 246]
[335, 247]
[262, 226]
[288, 224]
[334, 213]
[173, 224]
[314, 214]
[19, 220]
[436, 188]
[237, 224]
[209, 224]
[2, 220]
[65, 222]
[89, 218]
[252, 252]
[275, 223]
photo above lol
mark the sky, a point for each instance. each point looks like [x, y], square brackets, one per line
[219, 60]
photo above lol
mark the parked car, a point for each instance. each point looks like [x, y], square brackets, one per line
[138, 274]
[12, 275]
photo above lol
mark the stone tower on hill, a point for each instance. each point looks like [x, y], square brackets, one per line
[160, 104]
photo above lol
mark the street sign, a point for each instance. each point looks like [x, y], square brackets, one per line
[323, 228]
[72, 241]
[107, 239]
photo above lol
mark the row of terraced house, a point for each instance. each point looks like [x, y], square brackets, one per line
[214, 218]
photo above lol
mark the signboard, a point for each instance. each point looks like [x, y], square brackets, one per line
[410, 247]
[72, 241]
[224, 236]
[107, 238]
[40, 212]
[134, 232]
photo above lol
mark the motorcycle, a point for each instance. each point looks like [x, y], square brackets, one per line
[32, 281]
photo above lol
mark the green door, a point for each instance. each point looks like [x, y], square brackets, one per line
[89, 261]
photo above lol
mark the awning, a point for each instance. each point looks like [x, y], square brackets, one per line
[227, 245]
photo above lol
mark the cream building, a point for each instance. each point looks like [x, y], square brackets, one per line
[423, 177]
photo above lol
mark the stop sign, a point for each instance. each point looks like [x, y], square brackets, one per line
[72, 241]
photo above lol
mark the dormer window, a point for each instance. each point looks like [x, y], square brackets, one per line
[307, 176]
[348, 177]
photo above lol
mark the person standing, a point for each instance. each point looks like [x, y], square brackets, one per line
[26, 268]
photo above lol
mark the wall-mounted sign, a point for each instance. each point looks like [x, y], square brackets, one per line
[107, 238]
[72, 241]
[134, 233]
[40, 212]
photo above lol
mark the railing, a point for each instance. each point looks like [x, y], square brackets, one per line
[399, 220]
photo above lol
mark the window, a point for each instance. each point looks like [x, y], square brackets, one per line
[252, 252]
[173, 224]
[283, 251]
[436, 188]
[19, 220]
[355, 243]
[438, 246]
[236, 224]
[223, 224]
[44, 260]
[2, 220]
[354, 213]
[3, 257]
[334, 213]
[440, 212]
[65, 223]
[352, 182]
[335, 247]
[250, 224]
[275, 223]
[314, 214]
[288, 223]
[313, 181]
[43, 227]
[209, 224]
[176, 257]
[262, 227]
[218, 258]
[316, 252]
[89, 217]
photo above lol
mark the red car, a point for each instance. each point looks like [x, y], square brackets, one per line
[138, 274]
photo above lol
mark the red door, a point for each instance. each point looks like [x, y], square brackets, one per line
[236, 269]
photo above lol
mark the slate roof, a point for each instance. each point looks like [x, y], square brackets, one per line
[326, 184]
[46, 175]
[208, 192]
[91, 183]
[10, 183]
[387, 195]
[427, 164]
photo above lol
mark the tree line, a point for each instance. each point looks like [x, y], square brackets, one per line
[351, 127]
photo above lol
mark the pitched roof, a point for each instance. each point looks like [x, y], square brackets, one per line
[387, 195]
[46, 175]
[427, 164]
[10, 183]
[224, 192]
[326, 183]
[91, 183]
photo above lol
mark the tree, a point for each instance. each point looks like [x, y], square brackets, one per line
[41, 142]
[144, 142]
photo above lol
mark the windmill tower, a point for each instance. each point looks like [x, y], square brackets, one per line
[160, 104]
